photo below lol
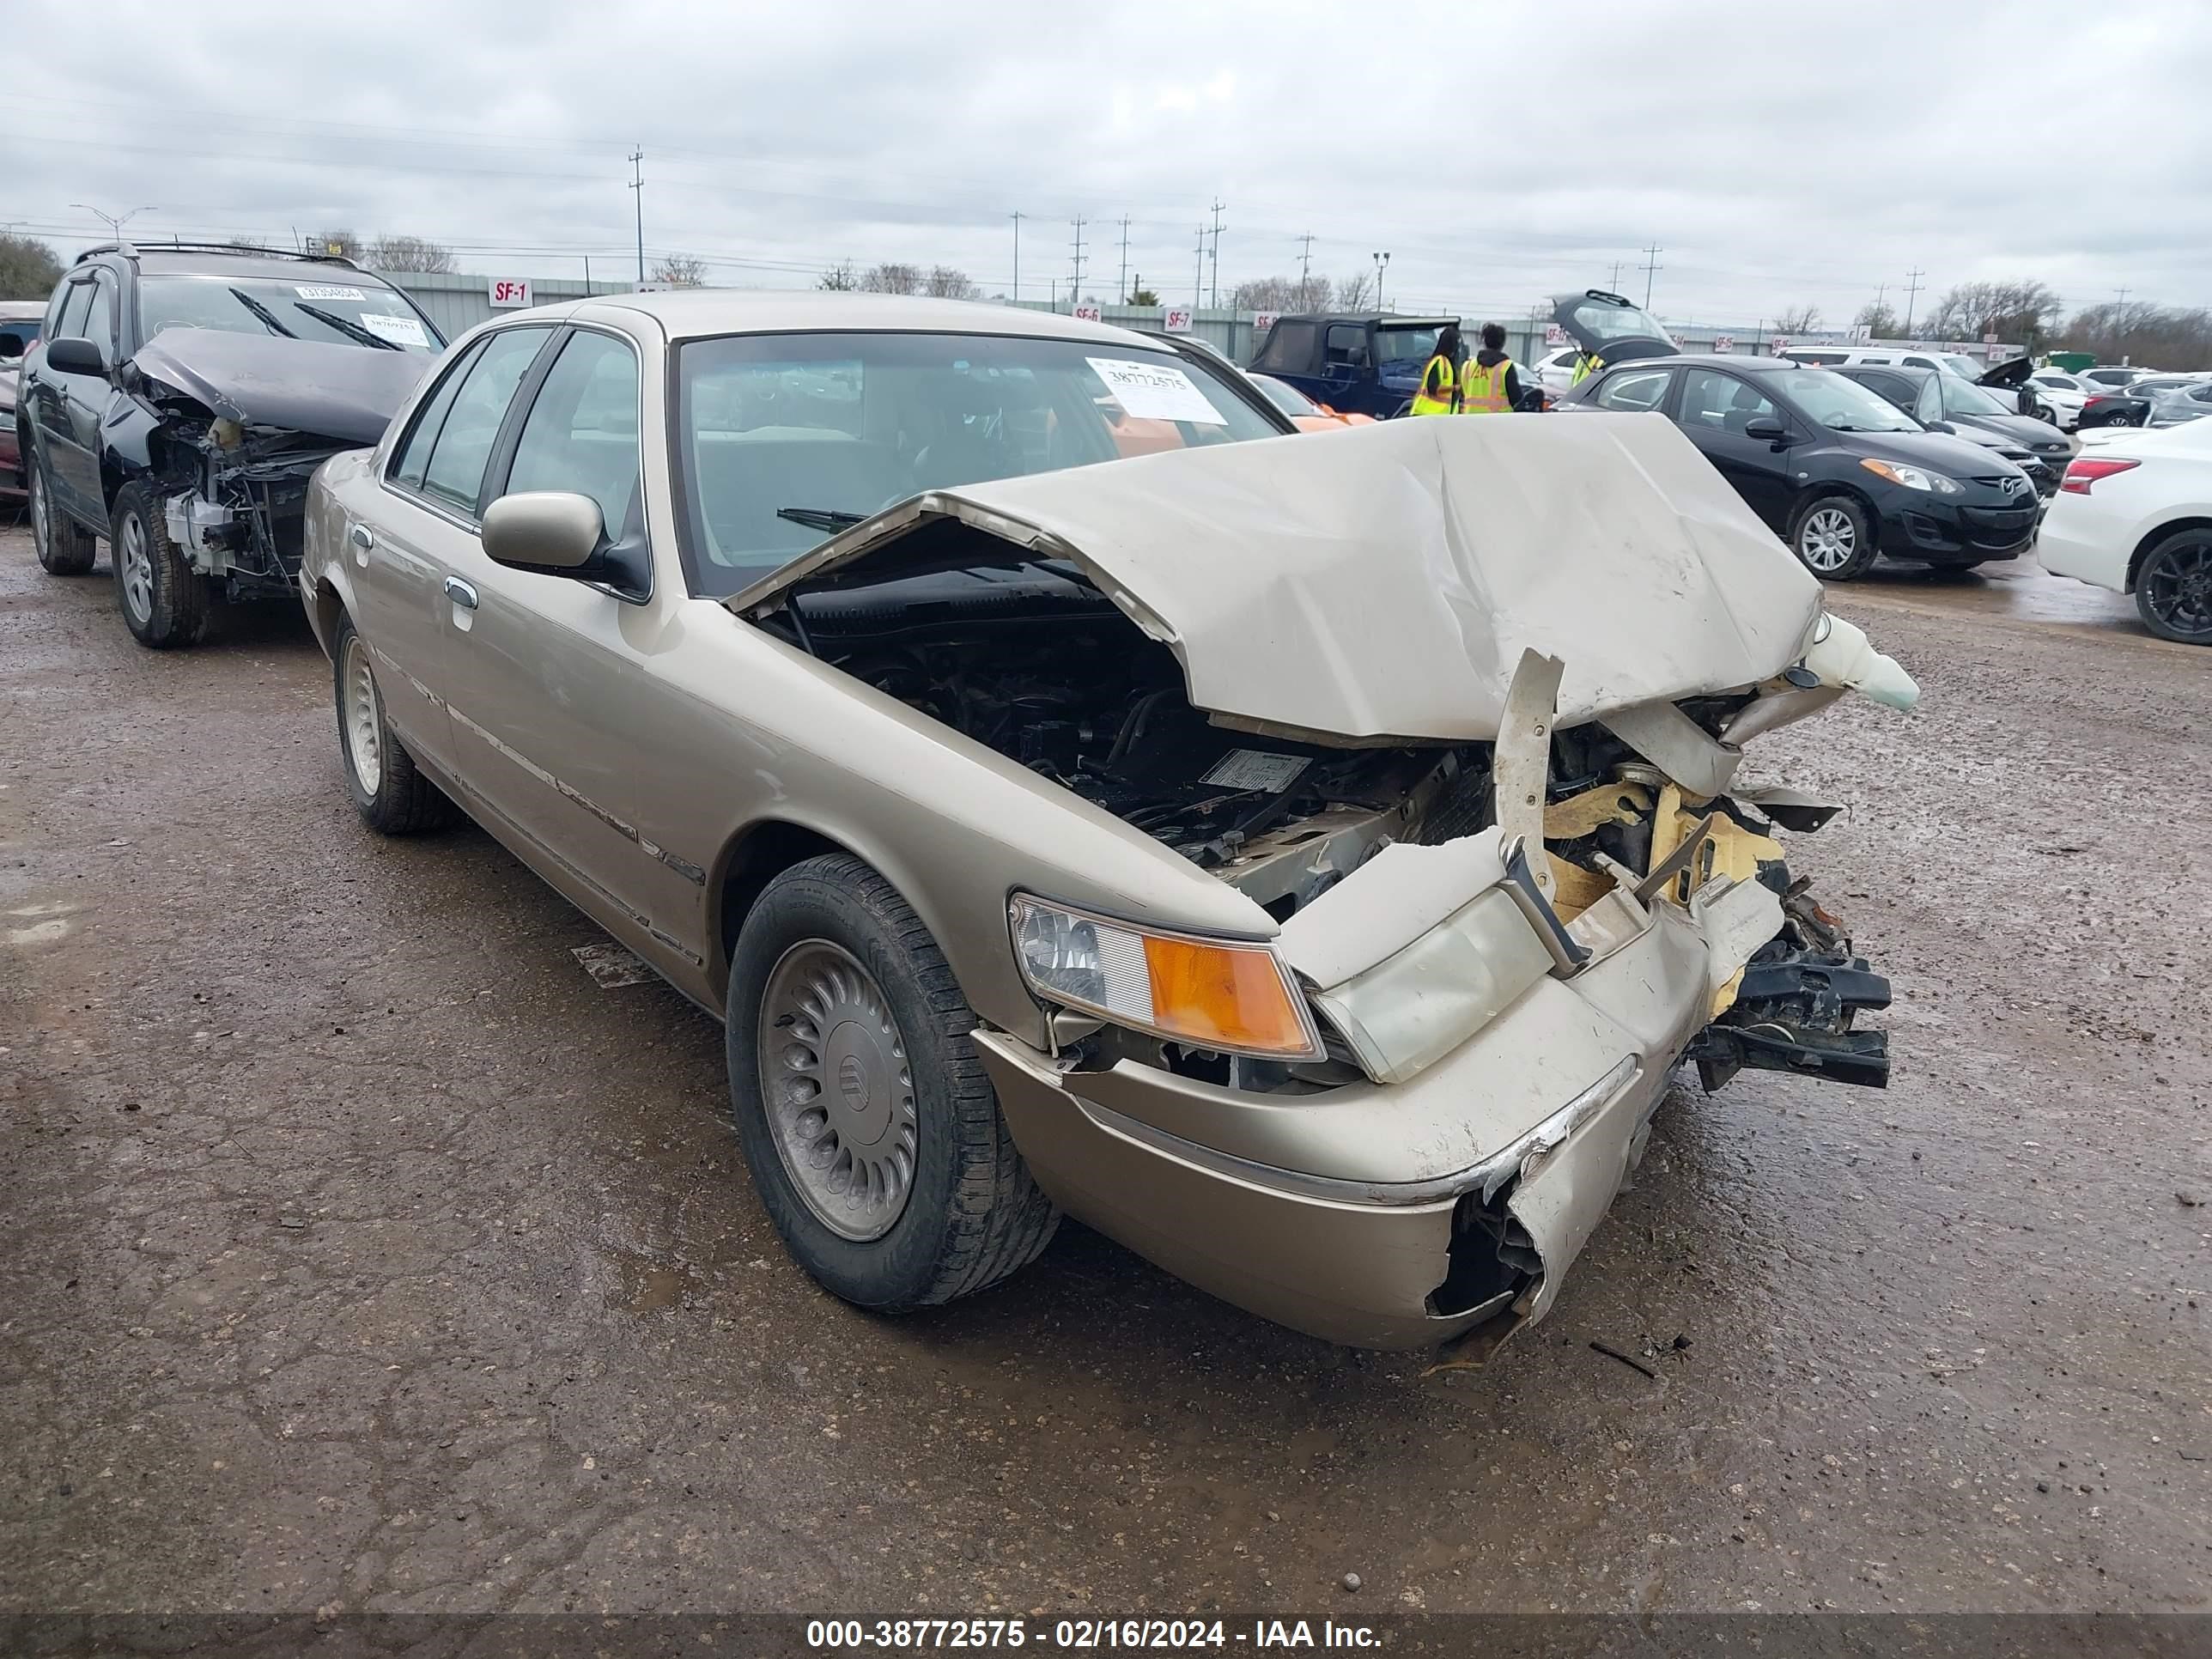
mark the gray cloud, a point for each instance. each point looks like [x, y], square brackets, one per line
[1778, 155]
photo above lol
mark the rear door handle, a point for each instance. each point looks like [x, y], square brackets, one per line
[362, 537]
[460, 593]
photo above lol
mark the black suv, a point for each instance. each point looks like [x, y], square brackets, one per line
[177, 402]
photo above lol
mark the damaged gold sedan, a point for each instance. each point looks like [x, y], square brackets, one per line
[1304, 861]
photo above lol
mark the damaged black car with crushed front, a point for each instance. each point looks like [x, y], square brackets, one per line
[179, 400]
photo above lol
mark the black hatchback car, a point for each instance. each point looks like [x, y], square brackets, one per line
[1944, 403]
[1841, 474]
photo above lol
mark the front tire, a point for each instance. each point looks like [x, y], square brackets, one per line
[388, 789]
[65, 548]
[163, 600]
[2174, 589]
[1834, 537]
[873, 1135]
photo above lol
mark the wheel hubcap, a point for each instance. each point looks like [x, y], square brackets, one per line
[838, 1089]
[363, 720]
[1828, 539]
[137, 569]
[2177, 587]
[38, 516]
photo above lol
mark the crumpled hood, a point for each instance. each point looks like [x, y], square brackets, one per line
[1384, 582]
[348, 392]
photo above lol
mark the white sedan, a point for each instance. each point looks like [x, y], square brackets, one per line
[2064, 393]
[2134, 515]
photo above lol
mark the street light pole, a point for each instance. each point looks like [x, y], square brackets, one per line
[1382, 264]
[113, 222]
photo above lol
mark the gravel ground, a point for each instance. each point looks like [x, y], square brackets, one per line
[358, 1249]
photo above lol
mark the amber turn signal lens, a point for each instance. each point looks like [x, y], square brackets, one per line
[1214, 996]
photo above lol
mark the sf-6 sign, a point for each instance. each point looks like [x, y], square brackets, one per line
[508, 293]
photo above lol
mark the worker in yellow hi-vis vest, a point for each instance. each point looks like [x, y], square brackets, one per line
[1437, 390]
[1488, 384]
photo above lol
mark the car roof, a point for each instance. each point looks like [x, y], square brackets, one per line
[198, 262]
[694, 314]
[1713, 360]
[1909, 371]
[1387, 318]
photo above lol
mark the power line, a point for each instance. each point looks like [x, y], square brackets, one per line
[1651, 266]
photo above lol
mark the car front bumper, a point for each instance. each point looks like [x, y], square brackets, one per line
[1391, 1216]
[1917, 525]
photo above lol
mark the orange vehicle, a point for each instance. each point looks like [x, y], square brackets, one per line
[1305, 414]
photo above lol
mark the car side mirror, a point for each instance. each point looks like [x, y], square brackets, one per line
[1942, 426]
[547, 530]
[76, 355]
[1766, 429]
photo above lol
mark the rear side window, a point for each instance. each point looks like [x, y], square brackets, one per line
[455, 474]
[1636, 389]
[413, 454]
[1289, 348]
[582, 436]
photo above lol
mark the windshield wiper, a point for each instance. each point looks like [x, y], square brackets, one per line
[821, 518]
[262, 312]
[347, 327]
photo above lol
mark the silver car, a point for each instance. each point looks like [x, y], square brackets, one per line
[1304, 860]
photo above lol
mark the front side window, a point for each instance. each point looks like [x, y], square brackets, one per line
[1713, 402]
[783, 439]
[336, 307]
[1963, 398]
[1406, 345]
[413, 455]
[1285, 396]
[1347, 344]
[1636, 391]
[581, 434]
[99, 324]
[463, 447]
[79, 300]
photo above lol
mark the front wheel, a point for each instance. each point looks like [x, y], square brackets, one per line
[1834, 537]
[873, 1135]
[2174, 589]
[64, 547]
[163, 600]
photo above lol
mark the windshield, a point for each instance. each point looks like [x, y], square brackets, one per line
[1838, 401]
[1288, 399]
[336, 308]
[786, 438]
[1406, 345]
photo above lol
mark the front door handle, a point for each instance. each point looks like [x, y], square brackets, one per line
[362, 537]
[460, 593]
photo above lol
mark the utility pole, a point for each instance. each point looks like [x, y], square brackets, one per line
[1075, 278]
[1018, 259]
[1215, 297]
[1198, 282]
[1305, 264]
[1617, 266]
[1651, 265]
[1123, 295]
[1382, 264]
[637, 184]
[1911, 293]
[2124, 292]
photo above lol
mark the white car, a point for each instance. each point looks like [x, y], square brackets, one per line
[1555, 370]
[2135, 515]
[2063, 393]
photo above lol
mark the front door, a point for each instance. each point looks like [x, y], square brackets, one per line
[65, 411]
[1714, 409]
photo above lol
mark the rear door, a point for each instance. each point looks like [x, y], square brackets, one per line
[425, 519]
[1347, 368]
[1616, 329]
[56, 402]
[1715, 409]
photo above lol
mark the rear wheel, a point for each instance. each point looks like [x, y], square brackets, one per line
[2174, 589]
[389, 791]
[164, 600]
[65, 548]
[1834, 537]
[873, 1135]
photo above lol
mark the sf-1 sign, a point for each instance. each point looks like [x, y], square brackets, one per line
[508, 293]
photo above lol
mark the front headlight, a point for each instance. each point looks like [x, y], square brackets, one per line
[1911, 477]
[1234, 998]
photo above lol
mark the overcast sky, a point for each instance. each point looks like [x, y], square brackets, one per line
[1780, 154]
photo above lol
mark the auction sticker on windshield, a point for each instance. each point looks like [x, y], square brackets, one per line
[400, 331]
[1155, 392]
[311, 293]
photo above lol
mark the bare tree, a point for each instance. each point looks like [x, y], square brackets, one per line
[28, 269]
[1355, 292]
[949, 283]
[409, 253]
[1281, 294]
[1801, 320]
[892, 279]
[343, 243]
[2143, 333]
[840, 278]
[2019, 311]
[681, 270]
[1879, 319]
